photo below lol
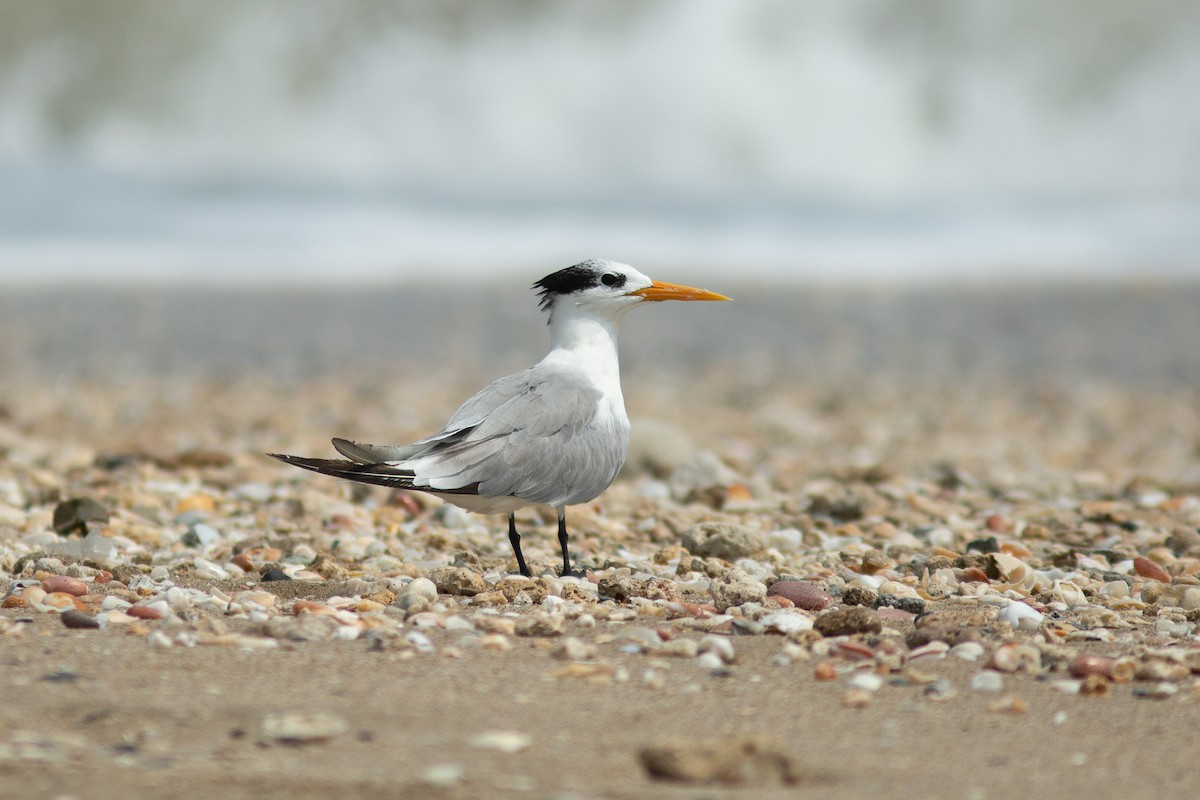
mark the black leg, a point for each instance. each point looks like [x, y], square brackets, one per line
[562, 542]
[514, 539]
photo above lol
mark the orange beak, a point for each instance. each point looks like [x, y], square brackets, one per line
[669, 291]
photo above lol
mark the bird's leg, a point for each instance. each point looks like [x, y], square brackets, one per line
[562, 542]
[514, 539]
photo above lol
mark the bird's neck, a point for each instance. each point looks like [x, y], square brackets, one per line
[590, 342]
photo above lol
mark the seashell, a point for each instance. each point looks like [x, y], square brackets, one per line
[1008, 705]
[420, 587]
[897, 589]
[1021, 616]
[930, 650]
[301, 727]
[258, 598]
[426, 619]
[696, 610]
[32, 595]
[1068, 593]
[866, 681]
[987, 681]
[1160, 669]
[787, 623]
[1012, 569]
[897, 614]
[852, 650]
[495, 641]
[721, 646]
[967, 651]
[970, 575]
[180, 600]
[1015, 549]
[1150, 570]
[825, 671]
[858, 698]
[145, 612]
[802, 594]
[998, 523]
[311, 607]
[679, 648]
[1067, 687]
[501, 741]
[571, 648]
[1156, 691]
[62, 600]
[1087, 664]
[65, 584]
[1011, 657]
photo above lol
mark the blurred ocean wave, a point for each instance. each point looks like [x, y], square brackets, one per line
[270, 140]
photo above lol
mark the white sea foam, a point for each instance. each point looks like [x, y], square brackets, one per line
[286, 139]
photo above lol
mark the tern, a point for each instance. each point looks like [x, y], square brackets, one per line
[554, 435]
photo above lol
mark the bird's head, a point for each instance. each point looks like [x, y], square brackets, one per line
[609, 287]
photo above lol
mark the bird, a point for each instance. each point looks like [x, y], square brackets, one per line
[555, 434]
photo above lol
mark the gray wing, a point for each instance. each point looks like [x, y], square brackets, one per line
[475, 409]
[533, 435]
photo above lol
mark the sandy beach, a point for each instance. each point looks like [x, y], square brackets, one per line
[936, 542]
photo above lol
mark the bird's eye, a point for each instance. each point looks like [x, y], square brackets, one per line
[608, 279]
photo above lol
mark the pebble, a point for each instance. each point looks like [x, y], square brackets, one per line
[733, 761]
[77, 619]
[200, 505]
[539, 624]
[722, 540]
[457, 581]
[734, 588]
[848, 621]
[857, 595]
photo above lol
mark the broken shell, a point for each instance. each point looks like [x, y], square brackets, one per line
[930, 650]
[1011, 657]
[1021, 616]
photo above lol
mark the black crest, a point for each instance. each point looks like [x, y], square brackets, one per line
[577, 278]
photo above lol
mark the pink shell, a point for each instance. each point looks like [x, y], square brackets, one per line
[804, 595]
[66, 584]
[1148, 569]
